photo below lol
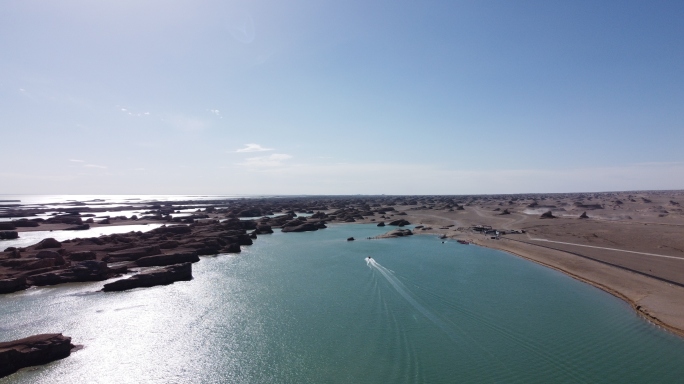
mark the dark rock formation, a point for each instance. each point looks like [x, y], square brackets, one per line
[48, 243]
[396, 233]
[319, 215]
[133, 253]
[172, 229]
[381, 224]
[547, 215]
[9, 235]
[170, 259]
[90, 270]
[399, 223]
[27, 263]
[45, 254]
[350, 239]
[253, 212]
[12, 285]
[33, 350]
[505, 212]
[588, 206]
[209, 250]
[584, 215]
[82, 256]
[81, 227]
[264, 229]
[5, 226]
[232, 248]
[171, 244]
[304, 227]
[151, 278]
[65, 219]
[25, 223]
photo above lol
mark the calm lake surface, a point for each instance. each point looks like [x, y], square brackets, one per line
[308, 308]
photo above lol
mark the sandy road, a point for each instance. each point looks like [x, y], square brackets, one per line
[609, 249]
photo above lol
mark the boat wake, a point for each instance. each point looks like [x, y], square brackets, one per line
[408, 296]
[457, 328]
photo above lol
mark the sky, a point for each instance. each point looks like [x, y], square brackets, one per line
[340, 97]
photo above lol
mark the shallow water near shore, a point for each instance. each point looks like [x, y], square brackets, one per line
[309, 308]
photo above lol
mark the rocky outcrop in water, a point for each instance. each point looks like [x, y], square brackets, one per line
[9, 235]
[25, 223]
[81, 227]
[72, 219]
[13, 284]
[33, 350]
[303, 227]
[5, 226]
[151, 278]
[91, 270]
[396, 233]
[168, 259]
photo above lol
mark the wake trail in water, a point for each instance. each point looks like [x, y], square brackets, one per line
[401, 289]
[521, 340]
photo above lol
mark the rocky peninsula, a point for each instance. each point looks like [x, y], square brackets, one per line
[33, 350]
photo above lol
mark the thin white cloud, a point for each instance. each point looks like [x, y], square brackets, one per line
[253, 148]
[129, 112]
[95, 166]
[76, 161]
[216, 112]
[274, 160]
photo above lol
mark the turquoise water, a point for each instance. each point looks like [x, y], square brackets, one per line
[308, 308]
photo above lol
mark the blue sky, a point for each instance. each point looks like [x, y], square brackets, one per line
[331, 97]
